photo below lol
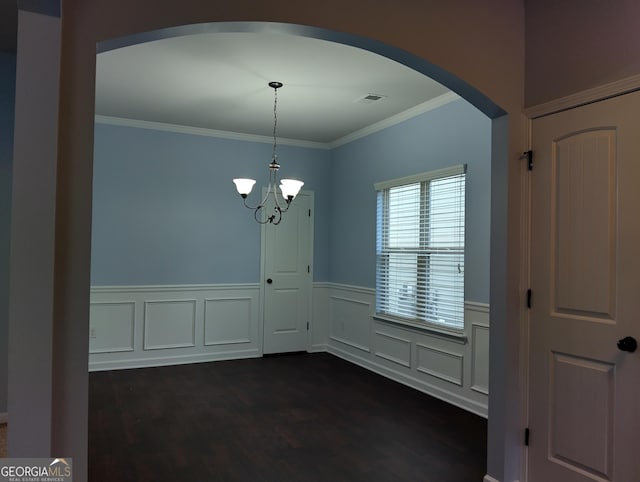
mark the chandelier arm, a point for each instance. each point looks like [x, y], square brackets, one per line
[256, 211]
[275, 220]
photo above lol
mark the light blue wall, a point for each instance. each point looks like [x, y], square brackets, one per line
[455, 133]
[7, 101]
[166, 212]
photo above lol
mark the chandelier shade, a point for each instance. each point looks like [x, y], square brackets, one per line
[289, 188]
[244, 186]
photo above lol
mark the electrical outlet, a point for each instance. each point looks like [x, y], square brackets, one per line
[92, 332]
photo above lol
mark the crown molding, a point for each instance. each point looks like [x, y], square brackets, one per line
[200, 131]
[397, 119]
[238, 136]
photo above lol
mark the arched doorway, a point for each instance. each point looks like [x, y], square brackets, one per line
[81, 30]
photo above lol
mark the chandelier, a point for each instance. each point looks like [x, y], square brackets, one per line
[289, 188]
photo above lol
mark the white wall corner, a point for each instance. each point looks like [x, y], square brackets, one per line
[4, 417]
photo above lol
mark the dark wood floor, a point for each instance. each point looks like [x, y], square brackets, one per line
[305, 417]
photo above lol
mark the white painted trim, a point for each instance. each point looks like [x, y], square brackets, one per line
[238, 136]
[456, 381]
[319, 348]
[420, 385]
[323, 284]
[595, 94]
[350, 343]
[200, 131]
[4, 417]
[456, 170]
[430, 329]
[355, 289]
[477, 307]
[397, 119]
[193, 346]
[488, 478]
[164, 288]
[172, 360]
[385, 356]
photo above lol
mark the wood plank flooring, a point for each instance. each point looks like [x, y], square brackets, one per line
[300, 417]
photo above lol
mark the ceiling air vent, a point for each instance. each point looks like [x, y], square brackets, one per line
[369, 98]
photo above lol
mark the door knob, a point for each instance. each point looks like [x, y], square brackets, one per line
[628, 343]
[269, 281]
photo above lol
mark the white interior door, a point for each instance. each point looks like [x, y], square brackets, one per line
[584, 390]
[287, 253]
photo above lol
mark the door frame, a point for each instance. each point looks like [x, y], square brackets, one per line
[263, 258]
[578, 99]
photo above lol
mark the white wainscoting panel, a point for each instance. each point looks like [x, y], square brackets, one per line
[393, 348]
[319, 338]
[227, 321]
[140, 326]
[112, 327]
[452, 368]
[169, 324]
[350, 321]
[479, 357]
[442, 364]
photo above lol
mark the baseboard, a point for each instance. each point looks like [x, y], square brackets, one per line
[319, 348]
[171, 360]
[431, 390]
[4, 417]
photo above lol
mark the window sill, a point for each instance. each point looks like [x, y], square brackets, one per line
[451, 335]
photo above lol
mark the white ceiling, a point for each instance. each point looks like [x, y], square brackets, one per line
[219, 81]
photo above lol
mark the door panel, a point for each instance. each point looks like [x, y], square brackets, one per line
[585, 252]
[287, 251]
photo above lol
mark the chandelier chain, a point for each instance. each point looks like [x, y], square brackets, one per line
[274, 156]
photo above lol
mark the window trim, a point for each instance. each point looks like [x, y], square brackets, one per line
[422, 177]
[455, 334]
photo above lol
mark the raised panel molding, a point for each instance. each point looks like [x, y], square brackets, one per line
[445, 369]
[111, 327]
[480, 358]
[227, 321]
[439, 363]
[393, 348]
[385, 349]
[174, 324]
[169, 324]
[350, 322]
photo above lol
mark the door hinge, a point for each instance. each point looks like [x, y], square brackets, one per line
[529, 298]
[307, 326]
[308, 269]
[309, 212]
[526, 436]
[528, 156]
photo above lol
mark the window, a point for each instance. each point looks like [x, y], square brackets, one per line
[420, 248]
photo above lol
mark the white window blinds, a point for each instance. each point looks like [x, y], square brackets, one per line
[420, 248]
